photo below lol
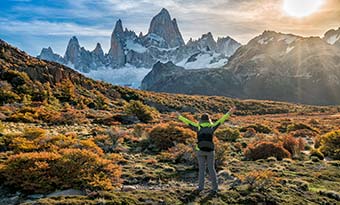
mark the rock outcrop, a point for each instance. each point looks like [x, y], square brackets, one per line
[116, 53]
[164, 27]
[48, 54]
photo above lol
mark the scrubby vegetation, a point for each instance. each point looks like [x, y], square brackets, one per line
[330, 144]
[165, 136]
[258, 128]
[143, 112]
[61, 130]
[263, 150]
[41, 172]
[228, 134]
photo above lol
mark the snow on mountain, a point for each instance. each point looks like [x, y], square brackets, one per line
[128, 75]
[131, 45]
[163, 42]
[203, 60]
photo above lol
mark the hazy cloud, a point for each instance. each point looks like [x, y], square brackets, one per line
[93, 20]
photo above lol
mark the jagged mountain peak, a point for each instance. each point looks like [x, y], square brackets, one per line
[163, 26]
[208, 36]
[98, 47]
[74, 40]
[164, 12]
[118, 30]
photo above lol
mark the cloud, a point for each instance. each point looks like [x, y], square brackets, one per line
[240, 19]
[50, 28]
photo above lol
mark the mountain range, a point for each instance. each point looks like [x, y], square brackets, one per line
[273, 66]
[163, 42]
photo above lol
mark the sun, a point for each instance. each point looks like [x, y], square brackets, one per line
[301, 8]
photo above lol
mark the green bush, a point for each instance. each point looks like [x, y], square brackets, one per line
[7, 96]
[143, 112]
[2, 127]
[258, 128]
[43, 172]
[263, 150]
[317, 153]
[330, 144]
[228, 134]
[300, 126]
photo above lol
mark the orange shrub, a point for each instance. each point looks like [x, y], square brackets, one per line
[41, 172]
[263, 150]
[31, 172]
[293, 145]
[165, 136]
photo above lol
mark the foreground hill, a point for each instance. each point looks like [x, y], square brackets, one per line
[272, 66]
[67, 139]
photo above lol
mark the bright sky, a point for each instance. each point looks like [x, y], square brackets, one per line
[33, 24]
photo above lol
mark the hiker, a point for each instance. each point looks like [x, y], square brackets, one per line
[205, 146]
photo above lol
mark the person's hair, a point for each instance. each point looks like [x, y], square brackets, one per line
[205, 118]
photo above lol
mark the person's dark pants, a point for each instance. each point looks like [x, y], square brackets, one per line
[206, 159]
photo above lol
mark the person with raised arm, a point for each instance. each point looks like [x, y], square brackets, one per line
[205, 148]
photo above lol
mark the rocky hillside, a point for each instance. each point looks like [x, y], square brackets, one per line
[272, 66]
[163, 42]
[27, 79]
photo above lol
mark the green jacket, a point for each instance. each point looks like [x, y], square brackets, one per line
[205, 131]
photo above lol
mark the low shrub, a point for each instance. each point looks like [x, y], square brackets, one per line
[263, 150]
[228, 134]
[180, 153]
[293, 145]
[251, 132]
[258, 128]
[258, 180]
[317, 153]
[300, 126]
[305, 133]
[2, 127]
[164, 136]
[42, 172]
[35, 140]
[34, 132]
[330, 144]
[143, 112]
